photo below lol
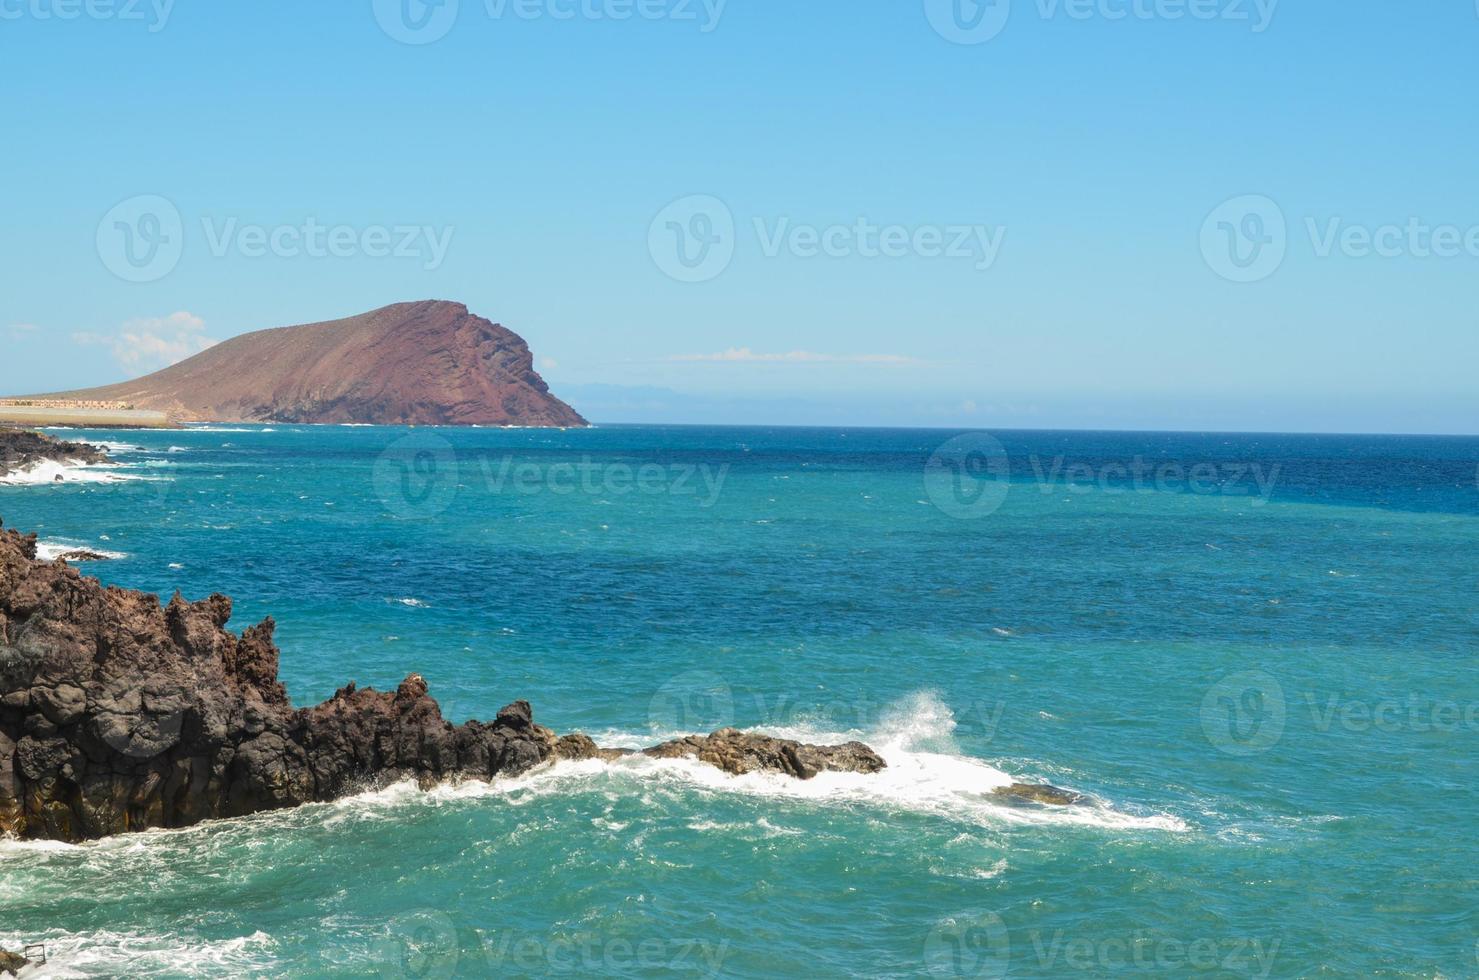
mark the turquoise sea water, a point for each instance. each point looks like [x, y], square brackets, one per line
[1253, 654]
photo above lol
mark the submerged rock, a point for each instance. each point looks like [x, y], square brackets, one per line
[1038, 793]
[740, 752]
[11, 963]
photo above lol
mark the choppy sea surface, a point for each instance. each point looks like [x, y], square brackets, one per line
[1254, 655]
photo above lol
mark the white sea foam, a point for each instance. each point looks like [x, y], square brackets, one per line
[51, 550]
[46, 472]
[117, 448]
[926, 774]
[225, 428]
[116, 954]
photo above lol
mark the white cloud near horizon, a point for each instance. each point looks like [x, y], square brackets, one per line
[154, 342]
[744, 355]
[17, 329]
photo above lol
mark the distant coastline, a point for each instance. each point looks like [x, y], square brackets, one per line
[422, 363]
[41, 412]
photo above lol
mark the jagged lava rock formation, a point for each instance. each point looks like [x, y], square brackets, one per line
[426, 363]
[21, 449]
[118, 713]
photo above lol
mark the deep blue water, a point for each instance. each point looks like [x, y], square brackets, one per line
[1254, 653]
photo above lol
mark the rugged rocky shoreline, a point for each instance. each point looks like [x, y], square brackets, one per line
[119, 713]
[20, 449]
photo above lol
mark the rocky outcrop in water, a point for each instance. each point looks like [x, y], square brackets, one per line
[11, 963]
[119, 713]
[740, 752]
[1038, 793]
[21, 449]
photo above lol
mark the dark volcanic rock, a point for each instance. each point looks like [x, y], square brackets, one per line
[82, 554]
[117, 714]
[427, 363]
[20, 449]
[740, 752]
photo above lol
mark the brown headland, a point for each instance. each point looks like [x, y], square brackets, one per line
[423, 363]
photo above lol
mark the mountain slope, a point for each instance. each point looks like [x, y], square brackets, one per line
[426, 363]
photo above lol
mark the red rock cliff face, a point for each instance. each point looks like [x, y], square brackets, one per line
[427, 363]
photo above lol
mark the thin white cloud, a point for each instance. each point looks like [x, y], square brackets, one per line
[17, 329]
[744, 355]
[548, 364]
[154, 342]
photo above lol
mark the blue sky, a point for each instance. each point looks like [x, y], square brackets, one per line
[1042, 227]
